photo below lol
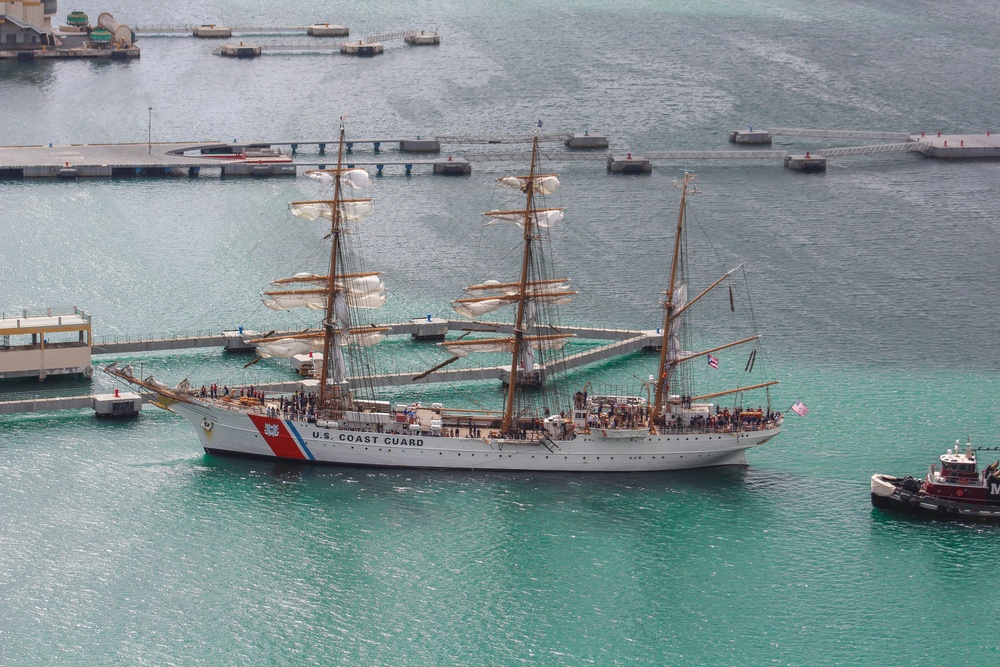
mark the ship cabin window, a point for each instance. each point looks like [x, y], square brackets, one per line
[956, 469]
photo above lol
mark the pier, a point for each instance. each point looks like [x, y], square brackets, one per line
[372, 45]
[264, 158]
[225, 159]
[219, 31]
[618, 342]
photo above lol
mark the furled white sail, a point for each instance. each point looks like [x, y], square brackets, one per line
[278, 301]
[549, 342]
[482, 305]
[351, 209]
[511, 289]
[528, 359]
[338, 368]
[362, 285]
[674, 351]
[366, 338]
[307, 278]
[477, 308]
[680, 297]
[358, 179]
[320, 175]
[545, 184]
[543, 217]
[311, 211]
[288, 347]
[364, 291]
[322, 281]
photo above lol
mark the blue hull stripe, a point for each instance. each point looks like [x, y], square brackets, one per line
[302, 443]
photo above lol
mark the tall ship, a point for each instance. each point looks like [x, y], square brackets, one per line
[663, 426]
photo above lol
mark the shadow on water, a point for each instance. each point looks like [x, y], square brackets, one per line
[723, 484]
[16, 389]
[31, 74]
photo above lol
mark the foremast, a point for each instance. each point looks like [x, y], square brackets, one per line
[345, 289]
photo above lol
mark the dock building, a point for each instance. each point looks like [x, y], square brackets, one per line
[26, 25]
[27, 33]
[46, 344]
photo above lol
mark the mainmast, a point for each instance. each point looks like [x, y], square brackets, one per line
[328, 321]
[664, 368]
[529, 232]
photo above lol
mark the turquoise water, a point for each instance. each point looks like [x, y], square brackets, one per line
[875, 286]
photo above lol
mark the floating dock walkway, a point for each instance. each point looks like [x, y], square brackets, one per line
[219, 31]
[370, 46]
[619, 342]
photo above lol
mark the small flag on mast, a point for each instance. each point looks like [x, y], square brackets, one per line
[713, 362]
[800, 408]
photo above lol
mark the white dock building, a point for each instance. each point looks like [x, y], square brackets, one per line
[43, 345]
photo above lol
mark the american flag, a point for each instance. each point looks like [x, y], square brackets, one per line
[713, 362]
[800, 408]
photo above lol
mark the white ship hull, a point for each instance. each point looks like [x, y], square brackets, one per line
[237, 432]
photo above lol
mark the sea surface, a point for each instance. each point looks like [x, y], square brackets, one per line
[875, 285]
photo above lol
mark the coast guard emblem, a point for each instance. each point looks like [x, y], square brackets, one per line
[271, 430]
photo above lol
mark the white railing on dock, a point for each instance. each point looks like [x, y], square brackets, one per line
[554, 156]
[838, 134]
[909, 147]
[389, 36]
[715, 155]
[502, 138]
[243, 30]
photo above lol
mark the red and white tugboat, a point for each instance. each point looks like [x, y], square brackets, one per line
[957, 491]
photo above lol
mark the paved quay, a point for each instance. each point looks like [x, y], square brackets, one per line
[180, 158]
[267, 159]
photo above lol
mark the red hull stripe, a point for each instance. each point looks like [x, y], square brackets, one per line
[277, 437]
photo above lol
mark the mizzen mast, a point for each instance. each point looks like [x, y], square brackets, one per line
[665, 366]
